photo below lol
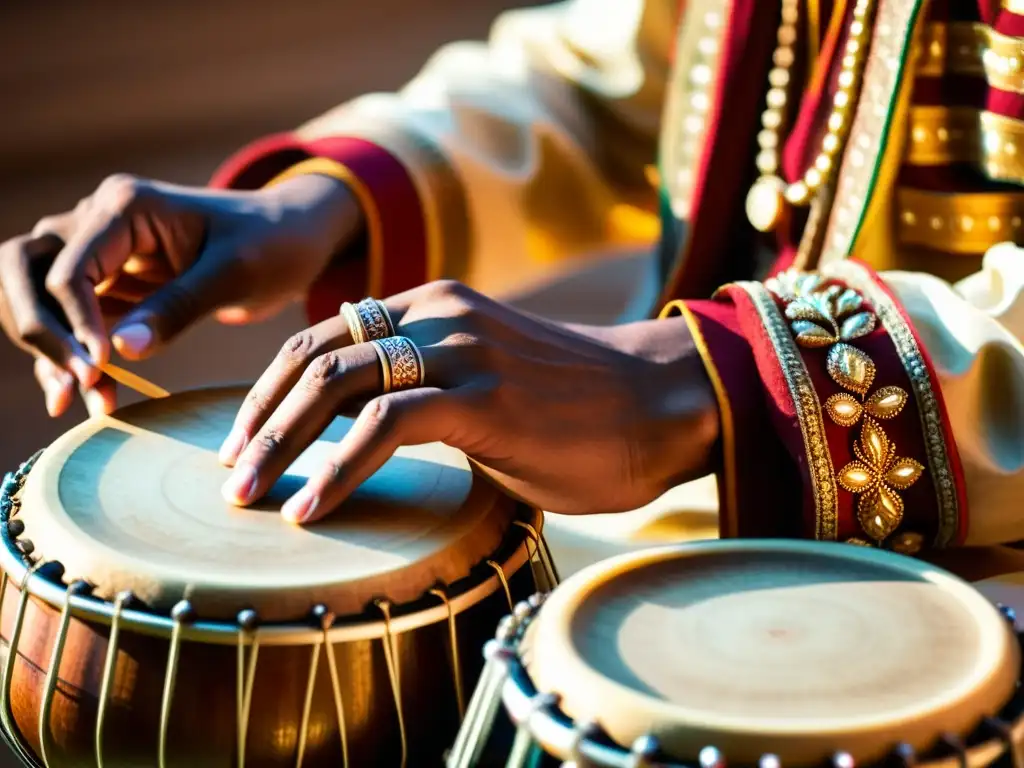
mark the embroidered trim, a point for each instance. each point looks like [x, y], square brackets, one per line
[885, 70]
[808, 410]
[910, 354]
[823, 314]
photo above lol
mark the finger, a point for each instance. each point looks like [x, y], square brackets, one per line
[93, 253]
[126, 288]
[57, 384]
[412, 417]
[101, 400]
[303, 414]
[26, 317]
[245, 314]
[278, 379]
[209, 283]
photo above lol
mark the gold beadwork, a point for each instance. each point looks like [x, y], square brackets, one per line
[928, 407]
[886, 403]
[876, 475]
[850, 368]
[907, 543]
[844, 409]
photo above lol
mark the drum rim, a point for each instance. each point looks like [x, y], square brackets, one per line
[533, 711]
[56, 533]
[19, 568]
[562, 663]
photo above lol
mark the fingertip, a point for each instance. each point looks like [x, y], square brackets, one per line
[57, 391]
[301, 507]
[238, 489]
[96, 404]
[233, 446]
[133, 340]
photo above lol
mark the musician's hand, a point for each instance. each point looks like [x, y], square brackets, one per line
[573, 420]
[148, 259]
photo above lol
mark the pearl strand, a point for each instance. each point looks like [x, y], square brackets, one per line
[767, 199]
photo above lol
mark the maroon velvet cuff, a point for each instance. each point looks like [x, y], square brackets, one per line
[833, 422]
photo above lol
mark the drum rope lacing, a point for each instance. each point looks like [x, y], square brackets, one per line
[75, 601]
[538, 721]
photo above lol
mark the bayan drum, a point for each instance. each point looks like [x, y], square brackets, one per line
[769, 653]
[149, 623]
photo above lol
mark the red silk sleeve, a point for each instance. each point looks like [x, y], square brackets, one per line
[393, 254]
[833, 424]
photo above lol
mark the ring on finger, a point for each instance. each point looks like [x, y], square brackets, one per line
[401, 363]
[367, 320]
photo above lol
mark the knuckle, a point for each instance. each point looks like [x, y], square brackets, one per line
[325, 369]
[269, 440]
[118, 191]
[30, 330]
[297, 348]
[257, 401]
[48, 225]
[57, 282]
[445, 289]
[380, 414]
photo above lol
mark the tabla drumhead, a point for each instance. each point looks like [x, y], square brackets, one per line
[132, 502]
[799, 649]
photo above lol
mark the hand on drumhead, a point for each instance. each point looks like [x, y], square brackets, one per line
[573, 420]
[148, 259]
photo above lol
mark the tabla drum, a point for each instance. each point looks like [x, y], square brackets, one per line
[149, 623]
[768, 653]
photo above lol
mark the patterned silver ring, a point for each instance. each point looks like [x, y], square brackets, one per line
[401, 363]
[367, 320]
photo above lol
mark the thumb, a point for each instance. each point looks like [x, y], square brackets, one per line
[211, 282]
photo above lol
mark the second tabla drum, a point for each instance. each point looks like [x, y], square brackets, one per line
[749, 653]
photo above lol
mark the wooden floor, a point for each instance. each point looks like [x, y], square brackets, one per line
[168, 89]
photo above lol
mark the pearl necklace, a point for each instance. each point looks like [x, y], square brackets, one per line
[768, 197]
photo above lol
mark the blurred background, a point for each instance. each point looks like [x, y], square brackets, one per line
[168, 90]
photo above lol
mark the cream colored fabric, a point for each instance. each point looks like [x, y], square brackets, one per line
[546, 129]
[973, 332]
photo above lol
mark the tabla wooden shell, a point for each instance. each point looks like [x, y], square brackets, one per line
[733, 652]
[247, 640]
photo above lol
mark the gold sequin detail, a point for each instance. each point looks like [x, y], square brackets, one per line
[892, 320]
[965, 223]
[947, 135]
[972, 48]
[878, 472]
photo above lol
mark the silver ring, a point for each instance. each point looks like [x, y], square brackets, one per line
[367, 320]
[401, 363]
